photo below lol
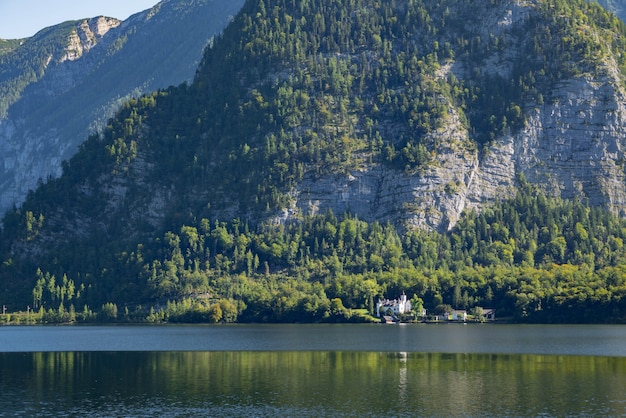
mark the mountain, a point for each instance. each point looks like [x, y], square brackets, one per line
[330, 152]
[65, 82]
[615, 6]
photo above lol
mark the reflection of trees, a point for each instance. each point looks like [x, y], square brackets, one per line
[353, 383]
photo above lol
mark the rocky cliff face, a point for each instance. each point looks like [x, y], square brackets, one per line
[572, 145]
[432, 198]
[103, 63]
[86, 36]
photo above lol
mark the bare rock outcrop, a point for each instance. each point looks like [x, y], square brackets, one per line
[571, 145]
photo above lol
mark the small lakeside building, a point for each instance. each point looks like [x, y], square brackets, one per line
[393, 307]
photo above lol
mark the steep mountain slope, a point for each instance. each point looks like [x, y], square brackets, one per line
[402, 113]
[66, 81]
[618, 7]
[25, 61]
[412, 119]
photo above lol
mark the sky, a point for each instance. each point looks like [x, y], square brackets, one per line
[24, 18]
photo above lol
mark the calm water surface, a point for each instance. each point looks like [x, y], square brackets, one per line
[598, 340]
[313, 371]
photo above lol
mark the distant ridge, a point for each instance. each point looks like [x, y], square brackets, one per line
[67, 80]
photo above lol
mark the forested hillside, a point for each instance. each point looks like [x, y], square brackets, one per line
[247, 195]
[615, 6]
[8, 45]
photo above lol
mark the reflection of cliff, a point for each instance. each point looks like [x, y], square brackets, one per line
[313, 383]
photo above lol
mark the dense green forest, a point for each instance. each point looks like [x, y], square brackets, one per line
[532, 258]
[315, 87]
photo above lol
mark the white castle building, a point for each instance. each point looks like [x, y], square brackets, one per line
[397, 306]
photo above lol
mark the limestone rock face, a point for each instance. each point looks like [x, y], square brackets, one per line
[432, 198]
[575, 145]
[571, 145]
[87, 35]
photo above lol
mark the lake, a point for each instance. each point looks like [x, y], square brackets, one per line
[313, 370]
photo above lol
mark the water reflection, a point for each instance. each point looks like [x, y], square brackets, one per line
[309, 384]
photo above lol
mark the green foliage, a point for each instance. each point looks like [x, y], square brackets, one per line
[8, 45]
[532, 258]
[310, 88]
